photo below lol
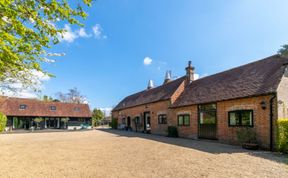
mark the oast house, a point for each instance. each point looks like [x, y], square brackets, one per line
[214, 107]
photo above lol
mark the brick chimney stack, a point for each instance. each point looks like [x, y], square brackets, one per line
[189, 73]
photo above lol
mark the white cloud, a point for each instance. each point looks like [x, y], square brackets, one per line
[198, 76]
[98, 32]
[68, 36]
[147, 61]
[39, 76]
[13, 87]
[82, 33]
[56, 54]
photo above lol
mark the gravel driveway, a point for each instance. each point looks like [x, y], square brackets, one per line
[110, 153]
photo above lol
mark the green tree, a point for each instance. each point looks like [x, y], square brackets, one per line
[97, 116]
[27, 29]
[283, 51]
[65, 121]
[47, 98]
[38, 120]
[3, 122]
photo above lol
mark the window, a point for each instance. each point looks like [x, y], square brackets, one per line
[137, 120]
[207, 114]
[184, 120]
[76, 109]
[123, 121]
[162, 119]
[53, 108]
[23, 106]
[241, 118]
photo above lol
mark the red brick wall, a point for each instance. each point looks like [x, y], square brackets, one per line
[154, 108]
[178, 92]
[224, 132]
[185, 131]
[261, 119]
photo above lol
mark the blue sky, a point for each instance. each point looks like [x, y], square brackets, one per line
[216, 35]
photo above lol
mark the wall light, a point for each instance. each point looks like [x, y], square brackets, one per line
[263, 105]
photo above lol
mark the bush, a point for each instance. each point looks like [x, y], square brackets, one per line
[114, 123]
[3, 122]
[246, 135]
[282, 135]
[38, 120]
[172, 131]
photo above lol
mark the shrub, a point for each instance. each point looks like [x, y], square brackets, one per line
[65, 121]
[114, 123]
[38, 120]
[282, 135]
[172, 131]
[246, 135]
[3, 122]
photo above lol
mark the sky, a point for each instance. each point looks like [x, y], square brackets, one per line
[127, 42]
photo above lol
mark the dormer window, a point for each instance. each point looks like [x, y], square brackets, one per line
[23, 106]
[76, 109]
[53, 108]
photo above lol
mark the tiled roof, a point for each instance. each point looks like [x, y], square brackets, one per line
[11, 107]
[253, 79]
[161, 93]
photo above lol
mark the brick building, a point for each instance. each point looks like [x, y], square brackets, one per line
[216, 107]
[21, 114]
[139, 111]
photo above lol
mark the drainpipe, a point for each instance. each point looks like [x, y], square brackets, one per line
[271, 121]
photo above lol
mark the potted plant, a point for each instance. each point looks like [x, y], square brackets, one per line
[247, 138]
[65, 121]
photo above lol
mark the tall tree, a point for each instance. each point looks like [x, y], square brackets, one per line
[27, 29]
[97, 116]
[73, 96]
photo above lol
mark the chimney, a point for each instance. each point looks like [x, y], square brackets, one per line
[150, 84]
[167, 77]
[190, 72]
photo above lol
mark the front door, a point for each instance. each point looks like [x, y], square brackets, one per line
[207, 121]
[147, 122]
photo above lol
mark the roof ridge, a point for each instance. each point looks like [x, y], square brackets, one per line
[38, 100]
[160, 93]
[253, 62]
[155, 87]
[252, 79]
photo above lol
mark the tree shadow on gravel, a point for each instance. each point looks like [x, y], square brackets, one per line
[208, 146]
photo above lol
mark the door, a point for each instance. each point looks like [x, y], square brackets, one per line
[147, 122]
[128, 122]
[207, 121]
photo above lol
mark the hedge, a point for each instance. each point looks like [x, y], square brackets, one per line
[282, 135]
[3, 122]
[114, 123]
